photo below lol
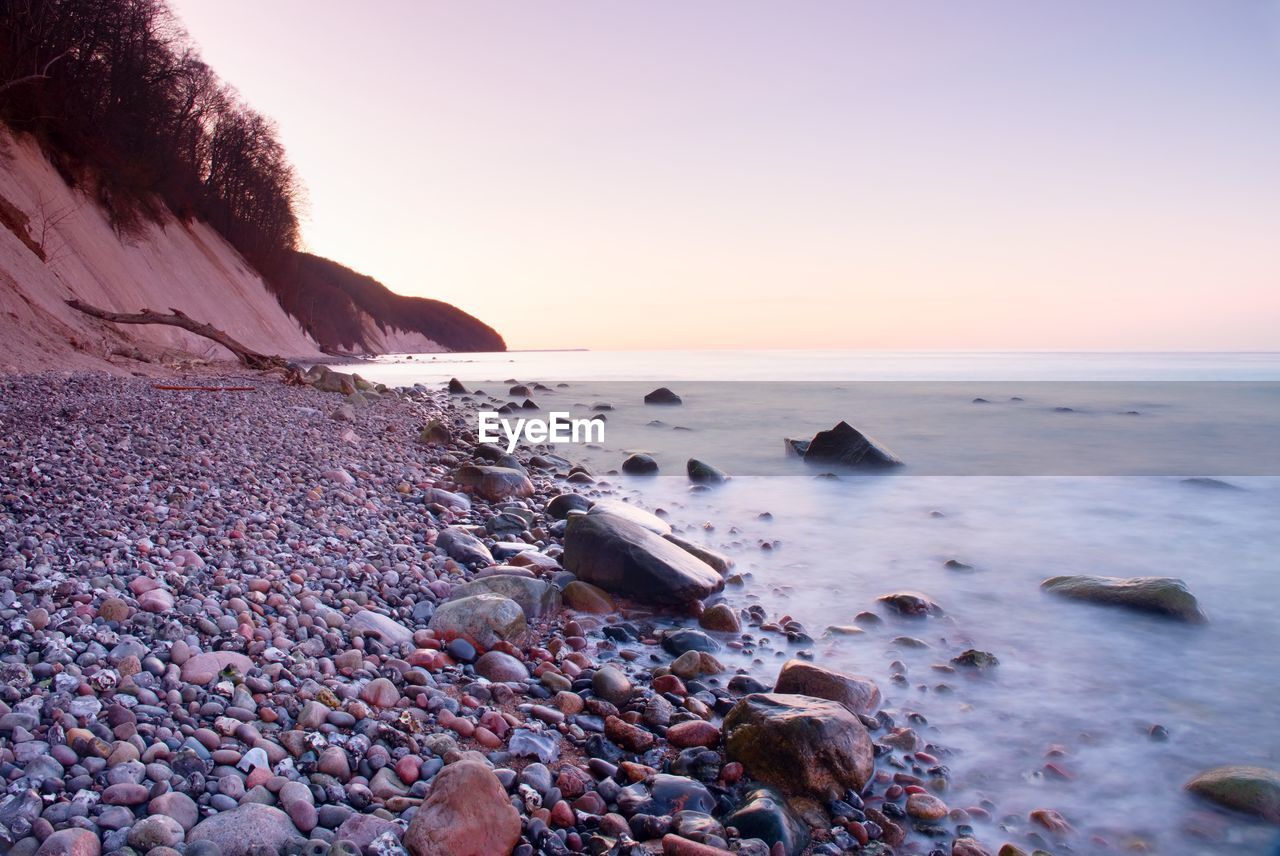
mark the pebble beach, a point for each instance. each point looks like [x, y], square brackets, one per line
[239, 616]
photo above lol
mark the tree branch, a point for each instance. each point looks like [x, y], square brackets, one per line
[247, 356]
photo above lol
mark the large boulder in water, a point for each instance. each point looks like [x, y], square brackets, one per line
[662, 395]
[1252, 790]
[627, 511]
[494, 483]
[700, 472]
[466, 814]
[1159, 595]
[849, 447]
[623, 557]
[536, 597]
[858, 694]
[802, 745]
[481, 619]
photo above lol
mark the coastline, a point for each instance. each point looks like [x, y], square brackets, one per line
[299, 534]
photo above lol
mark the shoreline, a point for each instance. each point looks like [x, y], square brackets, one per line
[300, 534]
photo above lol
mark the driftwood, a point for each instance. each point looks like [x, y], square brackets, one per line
[245, 355]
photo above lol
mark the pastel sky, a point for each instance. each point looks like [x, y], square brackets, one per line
[824, 173]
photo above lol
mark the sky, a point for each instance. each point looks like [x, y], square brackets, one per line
[596, 174]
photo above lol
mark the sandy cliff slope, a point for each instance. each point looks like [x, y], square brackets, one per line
[187, 266]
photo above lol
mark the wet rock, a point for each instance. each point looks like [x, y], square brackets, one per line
[627, 511]
[1159, 595]
[926, 807]
[625, 558]
[662, 395]
[483, 619]
[910, 604]
[466, 814]
[849, 447]
[858, 694]
[684, 639]
[639, 465]
[975, 659]
[721, 563]
[764, 815]
[720, 618]
[700, 472]
[560, 506]
[1251, 790]
[694, 732]
[242, 830]
[585, 597]
[804, 746]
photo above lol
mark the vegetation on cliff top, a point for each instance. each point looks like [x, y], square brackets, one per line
[118, 97]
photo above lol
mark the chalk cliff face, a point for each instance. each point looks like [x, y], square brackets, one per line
[57, 244]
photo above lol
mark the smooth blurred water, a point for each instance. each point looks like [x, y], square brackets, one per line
[1089, 681]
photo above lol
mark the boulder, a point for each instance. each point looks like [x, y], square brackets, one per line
[462, 546]
[640, 465]
[1159, 595]
[802, 745]
[203, 668]
[584, 597]
[662, 395]
[764, 815]
[466, 814]
[1251, 790]
[856, 693]
[500, 667]
[536, 597]
[623, 557]
[69, 842]
[719, 561]
[701, 472]
[560, 506]
[627, 511]
[481, 619]
[910, 604]
[849, 447]
[494, 483]
[245, 828]
[456, 387]
[384, 627]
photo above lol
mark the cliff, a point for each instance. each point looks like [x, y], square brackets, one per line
[56, 243]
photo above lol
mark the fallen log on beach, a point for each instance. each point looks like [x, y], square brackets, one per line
[246, 355]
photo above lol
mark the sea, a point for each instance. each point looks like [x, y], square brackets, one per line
[1020, 467]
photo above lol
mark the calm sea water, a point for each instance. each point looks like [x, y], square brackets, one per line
[1081, 683]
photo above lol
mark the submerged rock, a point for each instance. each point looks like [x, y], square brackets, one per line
[622, 557]
[847, 446]
[662, 395]
[1252, 790]
[856, 693]
[803, 745]
[1160, 595]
